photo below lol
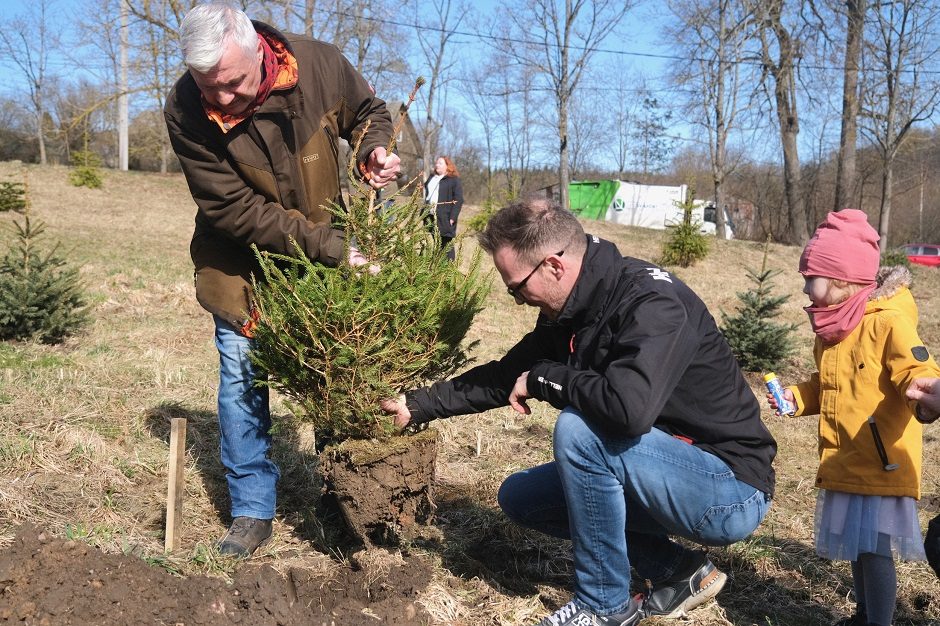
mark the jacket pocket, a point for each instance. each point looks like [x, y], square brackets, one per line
[319, 171]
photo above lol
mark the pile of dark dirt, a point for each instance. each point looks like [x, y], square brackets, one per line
[50, 581]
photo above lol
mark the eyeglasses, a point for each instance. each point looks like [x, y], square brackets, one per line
[514, 291]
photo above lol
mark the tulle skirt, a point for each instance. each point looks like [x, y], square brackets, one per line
[849, 524]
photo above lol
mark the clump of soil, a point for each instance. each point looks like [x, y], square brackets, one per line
[383, 487]
[50, 581]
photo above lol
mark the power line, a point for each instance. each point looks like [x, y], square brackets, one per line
[540, 44]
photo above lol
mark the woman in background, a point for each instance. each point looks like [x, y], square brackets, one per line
[444, 195]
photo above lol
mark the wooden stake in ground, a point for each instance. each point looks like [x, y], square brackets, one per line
[176, 483]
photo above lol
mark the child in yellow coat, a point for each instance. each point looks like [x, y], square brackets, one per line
[867, 354]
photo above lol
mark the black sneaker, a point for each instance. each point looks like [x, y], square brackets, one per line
[573, 614]
[244, 536]
[687, 590]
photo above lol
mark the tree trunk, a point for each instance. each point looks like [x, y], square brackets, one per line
[40, 137]
[884, 218]
[792, 187]
[123, 121]
[718, 163]
[845, 175]
[308, 17]
[788, 119]
[563, 172]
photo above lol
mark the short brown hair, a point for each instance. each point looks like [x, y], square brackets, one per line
[532, 228]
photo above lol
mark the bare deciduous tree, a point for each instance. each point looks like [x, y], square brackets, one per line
[897, 93]
[482, 106]
[587, 130]
[440, 18]
[29, 40]
[779, 51]
[558, 38]
[845, 164]
[714, 36]
[621, 111]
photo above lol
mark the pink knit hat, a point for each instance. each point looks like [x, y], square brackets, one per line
[844, 247]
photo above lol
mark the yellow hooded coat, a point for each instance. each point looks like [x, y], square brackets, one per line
[866, 374]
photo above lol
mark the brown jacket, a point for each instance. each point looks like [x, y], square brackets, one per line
[267, 180]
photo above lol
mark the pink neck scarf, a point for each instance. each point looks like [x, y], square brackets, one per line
[833, 323]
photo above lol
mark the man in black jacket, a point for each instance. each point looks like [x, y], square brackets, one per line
[658, 433]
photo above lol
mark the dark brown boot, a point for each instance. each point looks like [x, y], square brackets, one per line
[244, 536]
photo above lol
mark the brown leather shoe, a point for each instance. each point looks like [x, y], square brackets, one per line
[244, 536]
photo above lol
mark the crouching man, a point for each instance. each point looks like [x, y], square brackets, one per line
[658, 434]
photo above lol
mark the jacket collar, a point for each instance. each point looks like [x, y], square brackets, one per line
[600, 271]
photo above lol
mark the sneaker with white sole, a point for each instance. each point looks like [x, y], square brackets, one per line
[686, 590]
[573, 614]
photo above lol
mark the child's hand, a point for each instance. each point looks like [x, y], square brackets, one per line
[787, 395]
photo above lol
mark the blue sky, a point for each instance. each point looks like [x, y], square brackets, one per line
[642, 29]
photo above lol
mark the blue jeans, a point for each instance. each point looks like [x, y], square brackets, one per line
[613, 496]
[244, 422]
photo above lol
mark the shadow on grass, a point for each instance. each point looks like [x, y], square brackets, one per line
[202, 444]
[480, 541]
[771, 581]
[315, 519]
[797, 588]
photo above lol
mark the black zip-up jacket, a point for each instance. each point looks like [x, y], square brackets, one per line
[634, 348]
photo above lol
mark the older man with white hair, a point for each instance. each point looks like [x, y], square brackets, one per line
[255, 122]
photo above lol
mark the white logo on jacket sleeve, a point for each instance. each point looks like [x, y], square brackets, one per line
[659, 274]
[551, 384]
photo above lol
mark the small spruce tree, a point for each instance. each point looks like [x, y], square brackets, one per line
[477, 223]
[685, 244]
[336, 341]
[41, 297]
[87, 168]
[895, 257]
[12, 196]
[758, 343]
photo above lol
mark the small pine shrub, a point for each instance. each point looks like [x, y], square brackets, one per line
[685, 244]
[491, 205]
[758, 343]
[478, 222]
[41, 298]
[12, 196]
[895, 257]
[86, 171]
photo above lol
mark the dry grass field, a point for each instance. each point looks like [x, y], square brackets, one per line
[84, 430]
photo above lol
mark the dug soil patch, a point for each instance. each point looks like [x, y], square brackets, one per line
[50, 581]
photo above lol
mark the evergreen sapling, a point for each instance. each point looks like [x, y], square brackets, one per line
[758, 343]
[686, 244]
[40, 296]
[336, 341]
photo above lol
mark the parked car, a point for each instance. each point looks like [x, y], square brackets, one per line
[923, 253]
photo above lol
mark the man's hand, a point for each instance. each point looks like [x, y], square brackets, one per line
[926, 391]
[357, 259]
[382, 168]
[398, 408]
[519, 395]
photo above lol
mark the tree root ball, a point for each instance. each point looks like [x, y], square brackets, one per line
[383, 487]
